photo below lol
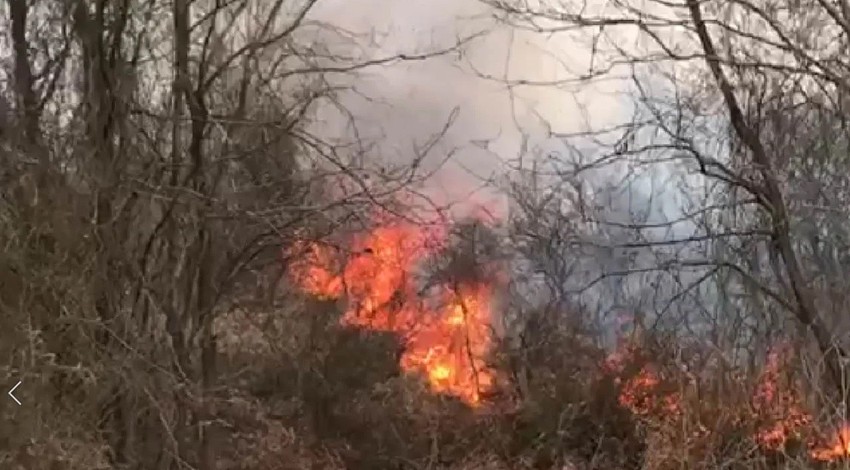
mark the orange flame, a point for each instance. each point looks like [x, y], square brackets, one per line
[776, 403]
[638, 395]
[838, 448]
[446, 344]
[641, 393]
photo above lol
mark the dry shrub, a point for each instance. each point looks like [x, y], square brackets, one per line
[56, 453]
[754, 420]
[566, 412]
[47, 341]
[338, 389]
[271, 445]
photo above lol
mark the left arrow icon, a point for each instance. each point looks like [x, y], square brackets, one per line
[12, 391]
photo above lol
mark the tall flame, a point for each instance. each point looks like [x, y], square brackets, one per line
[445, 343]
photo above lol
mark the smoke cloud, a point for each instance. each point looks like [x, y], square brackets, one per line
[397, 105]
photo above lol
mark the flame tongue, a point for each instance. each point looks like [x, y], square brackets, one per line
[838, 449]
[777, 405]
[450, 350]
[445, 344]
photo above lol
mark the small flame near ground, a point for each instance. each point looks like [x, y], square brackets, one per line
[776, 404]
[838, 448]
[446, 340]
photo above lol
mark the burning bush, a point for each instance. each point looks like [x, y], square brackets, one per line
[445, 328]
[427, 298]
[767, 423]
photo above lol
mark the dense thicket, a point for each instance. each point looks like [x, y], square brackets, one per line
[162, 186]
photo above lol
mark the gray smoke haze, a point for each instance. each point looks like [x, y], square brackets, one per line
[403, 103]
[406, 102]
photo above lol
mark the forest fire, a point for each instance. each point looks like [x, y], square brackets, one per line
[446, 334]
[776, 405]
[641, 392]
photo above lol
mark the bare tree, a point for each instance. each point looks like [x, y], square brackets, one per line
[766, 64]
[161, 157]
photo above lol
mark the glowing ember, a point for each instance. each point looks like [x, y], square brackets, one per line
[778, 405]
[456, 317]
[838, 449]
[640, 393]
[440, 373]
[445, 344]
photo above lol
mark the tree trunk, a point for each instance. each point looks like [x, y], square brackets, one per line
[773, 200]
